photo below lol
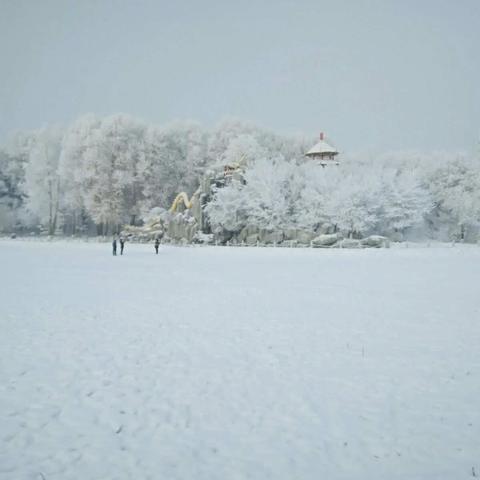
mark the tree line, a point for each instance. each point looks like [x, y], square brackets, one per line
[102, 172]
[99, 173]
[422, 196]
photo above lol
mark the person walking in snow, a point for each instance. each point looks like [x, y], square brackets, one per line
[157, 244]
[122, 245]
[114, 246]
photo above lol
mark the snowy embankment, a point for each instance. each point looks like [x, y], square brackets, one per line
[218, 363]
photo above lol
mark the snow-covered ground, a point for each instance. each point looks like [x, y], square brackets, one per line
[238, 363]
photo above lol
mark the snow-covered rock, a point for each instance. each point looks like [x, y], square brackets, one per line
[326, 240]
[375, 241]
[252, 239]
[349, 243]
[203, 238]
[304, 237]
[271, 237]
[326, 229]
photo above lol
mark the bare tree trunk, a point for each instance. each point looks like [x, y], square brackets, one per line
[74, 222]
[54, 202]
[50, 207]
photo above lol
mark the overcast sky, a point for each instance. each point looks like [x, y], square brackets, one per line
[379, 74]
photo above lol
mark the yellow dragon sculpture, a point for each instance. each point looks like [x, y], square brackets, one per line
[182, 197]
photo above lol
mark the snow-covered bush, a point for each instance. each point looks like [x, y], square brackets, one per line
[455, 190]
[281, 195]
[405, 201]
[228, 209]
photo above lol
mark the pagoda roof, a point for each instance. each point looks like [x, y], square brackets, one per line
[322, 148]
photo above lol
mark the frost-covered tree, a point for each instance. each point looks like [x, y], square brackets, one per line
[455, 187]
[112, 192]
[268, 200]
[353, 206]
[184, 154]
[232, 138]
[79, 140]
[43, 182]
[221, 136]
[243, 150]
[464, 206]
[12, 174]
[13, 195]
[268, 193]
[228, 209]
[10, 196]
[404, 200]
[314, 193]
[174, 159]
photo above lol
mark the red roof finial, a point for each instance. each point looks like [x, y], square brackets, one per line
[321, 135]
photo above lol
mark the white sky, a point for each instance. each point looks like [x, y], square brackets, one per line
[378, 74]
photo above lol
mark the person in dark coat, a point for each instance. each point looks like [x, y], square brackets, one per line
[157, 244]
[114, 246]
[122, 245]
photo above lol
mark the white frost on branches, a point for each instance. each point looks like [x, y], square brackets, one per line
[102, 172]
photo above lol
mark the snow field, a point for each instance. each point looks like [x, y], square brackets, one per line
[225, 363]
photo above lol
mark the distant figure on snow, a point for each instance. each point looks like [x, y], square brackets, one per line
[157, 244]
[114, 246]
[122, 245]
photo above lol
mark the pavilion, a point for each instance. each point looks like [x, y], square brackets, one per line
[323, 152]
